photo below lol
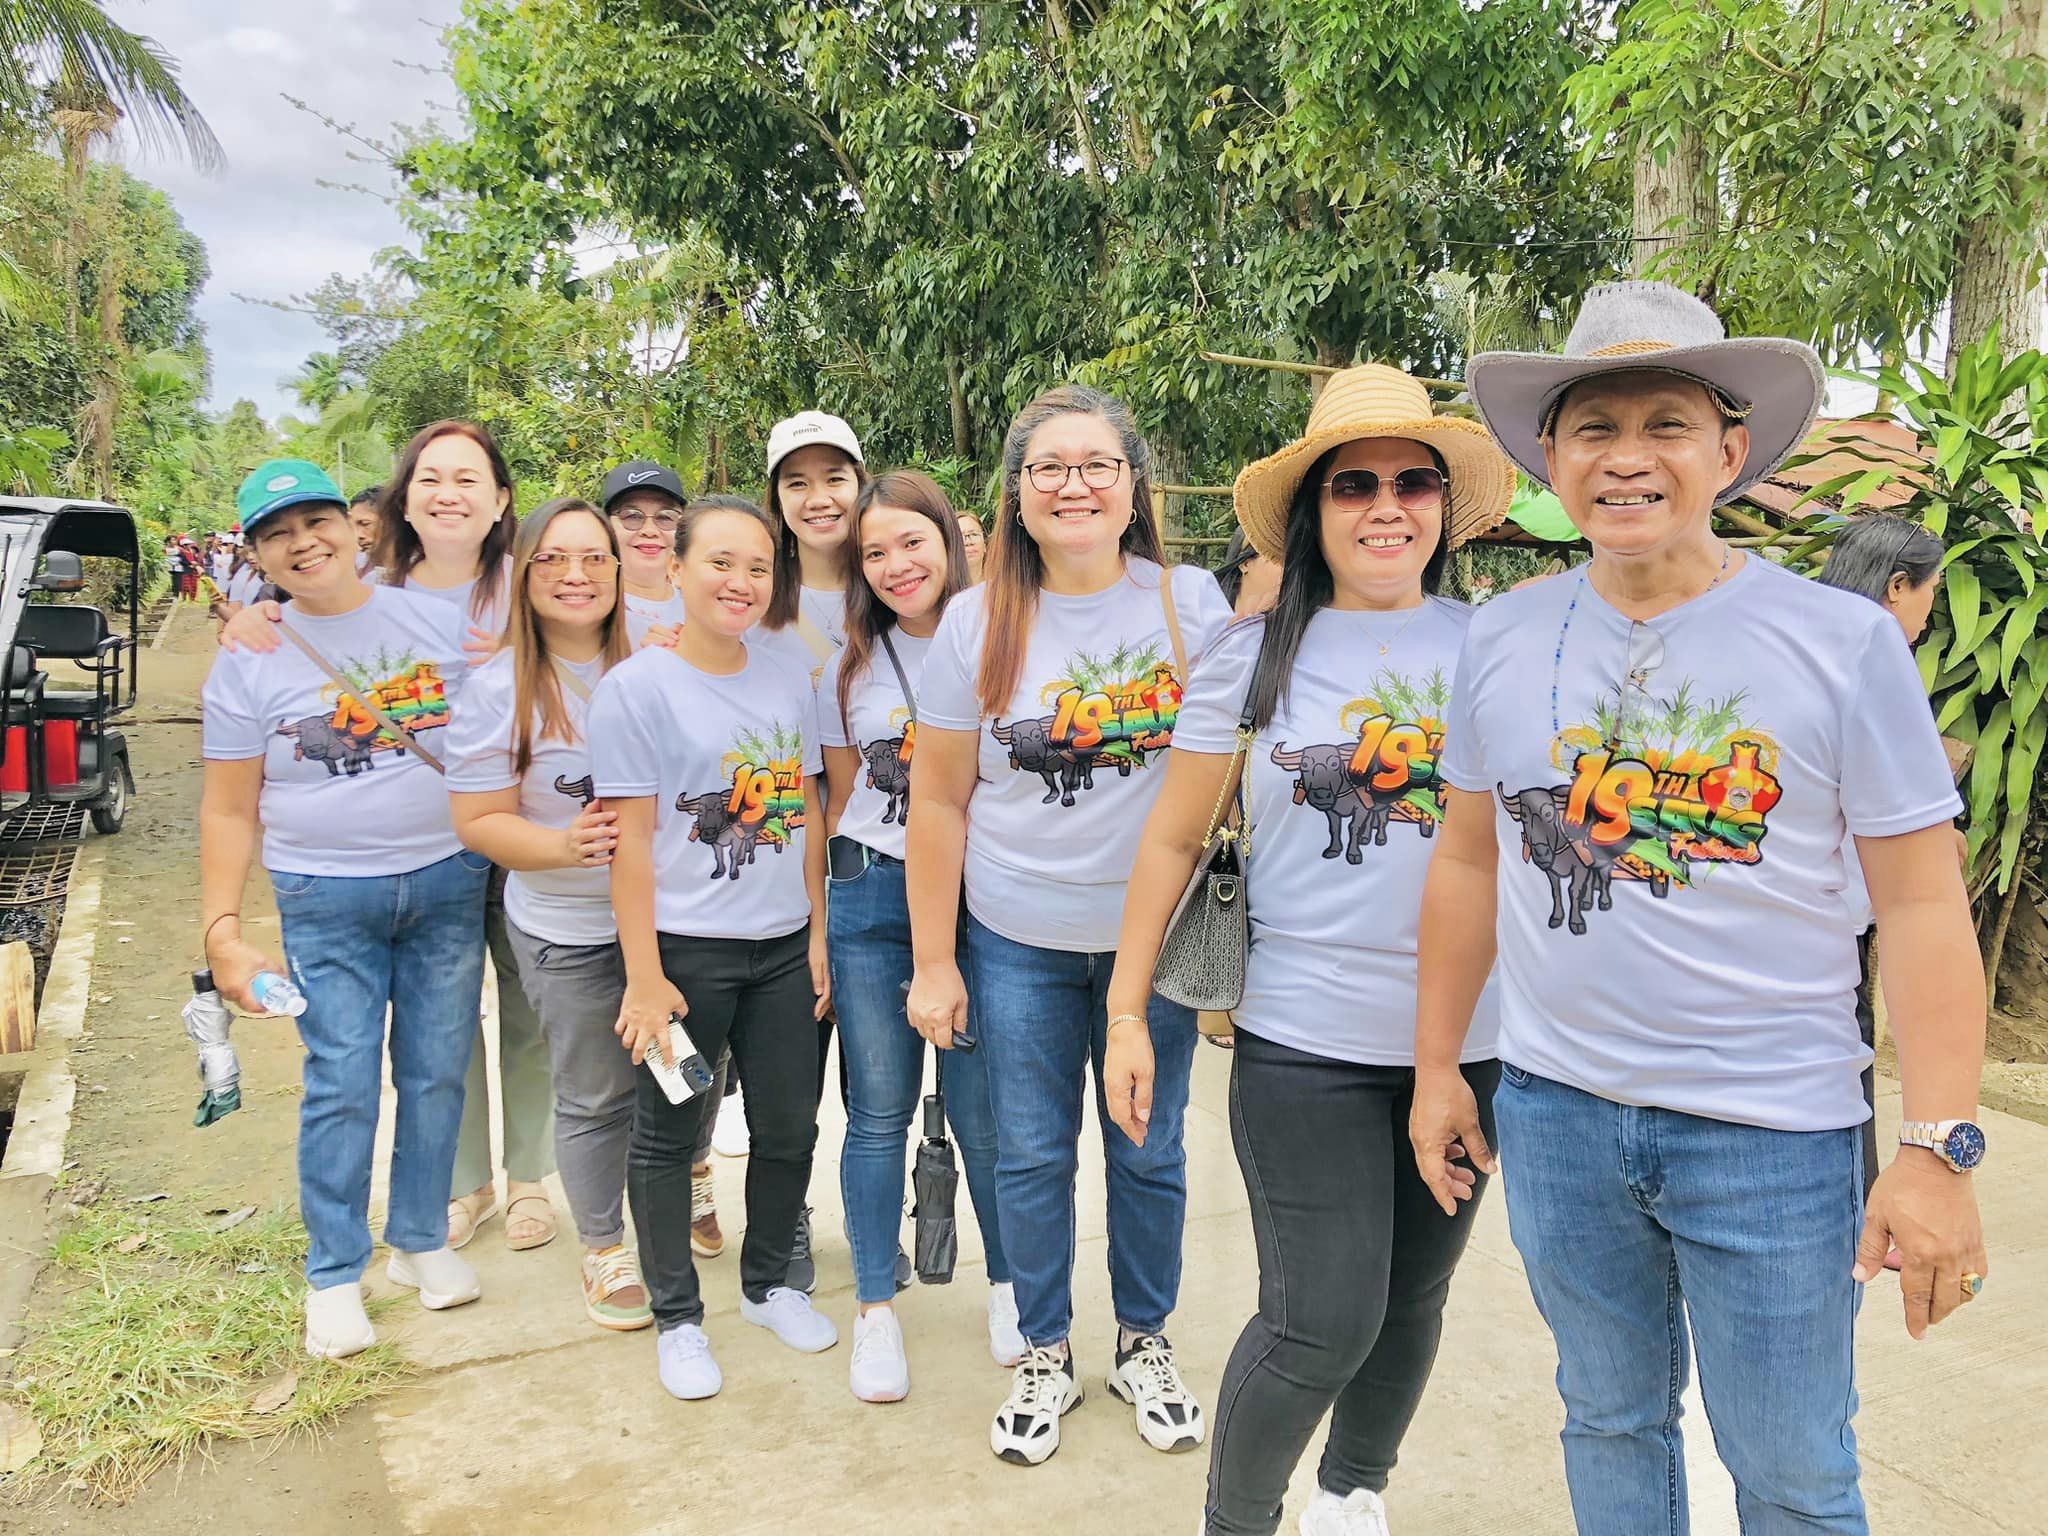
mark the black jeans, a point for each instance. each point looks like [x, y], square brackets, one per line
[753, 995]
[1355, 1261]
[1866, 1024]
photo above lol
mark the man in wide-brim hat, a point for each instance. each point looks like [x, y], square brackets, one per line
[1669, 750]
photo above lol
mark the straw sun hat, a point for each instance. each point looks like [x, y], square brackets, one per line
[1376, 401]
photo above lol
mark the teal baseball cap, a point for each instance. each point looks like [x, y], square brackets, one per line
[281, 483]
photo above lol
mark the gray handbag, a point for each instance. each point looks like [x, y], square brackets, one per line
[1208, 938]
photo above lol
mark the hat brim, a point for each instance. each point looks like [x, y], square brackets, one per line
[289, 499]
[1780, 381]
[1482, 481]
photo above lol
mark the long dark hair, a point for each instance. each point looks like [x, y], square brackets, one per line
[868, 618]
[1307, 587]
[1872, 549]
[536, 683]
[789, 570]
[1237, 554]
[1012, 570]
[398, 544]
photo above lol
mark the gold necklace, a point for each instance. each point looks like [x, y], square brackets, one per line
[1388, 643]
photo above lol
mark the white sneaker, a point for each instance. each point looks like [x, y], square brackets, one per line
[687, 1369]
[1358, 1513]
[729, 1136]
[881, 1371]
[1169, 1418]
[1005, 1343]
[443, 1278]
[1026, 1429]
[790, 1316]
[336, 1324]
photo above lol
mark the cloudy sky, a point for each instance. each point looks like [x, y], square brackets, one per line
[271, 230]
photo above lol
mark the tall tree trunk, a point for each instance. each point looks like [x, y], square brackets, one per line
[956, 400]
[1329, 354]
[1084, 136]
[1675, 208]
[1998, 260]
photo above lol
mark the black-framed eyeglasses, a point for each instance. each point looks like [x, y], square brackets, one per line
[1050, 476]
[633, 519]
[1354, 490]
[556, 564]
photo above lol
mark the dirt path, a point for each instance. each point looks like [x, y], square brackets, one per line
[132, 1125]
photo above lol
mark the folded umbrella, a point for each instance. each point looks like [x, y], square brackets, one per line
[935, 1184]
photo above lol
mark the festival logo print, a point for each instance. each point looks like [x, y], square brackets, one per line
[1384, 771]
[346, 737]
[1662, 797]
[1115, 711]
[888, 763]
[761, 800]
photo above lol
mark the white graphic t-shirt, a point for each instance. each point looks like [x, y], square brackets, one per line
[341, 796]
[726, 759]
[827, 610]
[1345, 803]
[244, 585]
[491, 621]
[648, 611]
[877, 722]
[1069, 770]
[562, 906]
[1676, 922]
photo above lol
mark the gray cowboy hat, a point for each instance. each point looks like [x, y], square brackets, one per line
[1774, 385]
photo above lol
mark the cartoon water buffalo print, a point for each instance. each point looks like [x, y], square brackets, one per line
[1580, 870]
[582, 791]
[316, 738]
[731, 840]
[890, 775]
[1357, 811]
[1032, 751]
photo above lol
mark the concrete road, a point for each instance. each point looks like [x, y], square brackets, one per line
[532, 1420]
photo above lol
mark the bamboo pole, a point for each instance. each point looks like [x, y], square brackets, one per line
[1193, 490]
[1315, 370]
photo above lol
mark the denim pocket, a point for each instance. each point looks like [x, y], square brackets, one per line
[284, 883]
[474, 861]
[1514, 1076]
[835, 883]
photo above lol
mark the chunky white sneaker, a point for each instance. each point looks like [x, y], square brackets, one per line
[1358, 1513]
[1145, 1377]
[790, 1316]
[336, 1324]
[729, 1136]
[1005, 1343]
[687, 1369]
[880, 1372]
[1026, 1429]
[443, 1278]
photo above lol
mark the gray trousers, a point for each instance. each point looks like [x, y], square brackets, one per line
[576, 989]
[522, 1073]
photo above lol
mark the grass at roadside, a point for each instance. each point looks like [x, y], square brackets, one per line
[173, 1335]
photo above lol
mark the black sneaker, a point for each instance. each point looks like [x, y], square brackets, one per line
[803, 1269]
[1169, 1418]
[906, 1272]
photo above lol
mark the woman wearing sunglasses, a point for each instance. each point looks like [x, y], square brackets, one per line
[520, 781]
[1048, 697]
[1345, 688]
[908, 562]
[643, 501]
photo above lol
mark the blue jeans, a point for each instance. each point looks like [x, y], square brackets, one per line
[415, 943]
[1042, 1020]
[1633, 1222]
[868, 928]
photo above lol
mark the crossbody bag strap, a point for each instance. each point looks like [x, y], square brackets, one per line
[1180, 650]
[571, 681]
[819, 642]
[1233, 799]
[376, 711]
[902, 677]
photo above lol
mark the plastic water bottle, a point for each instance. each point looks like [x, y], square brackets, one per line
[276, 996]
[207, 1019]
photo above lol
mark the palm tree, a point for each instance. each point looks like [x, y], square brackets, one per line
[75, 43]
[318, 383]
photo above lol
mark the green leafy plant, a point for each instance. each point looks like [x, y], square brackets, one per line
[1983, 488]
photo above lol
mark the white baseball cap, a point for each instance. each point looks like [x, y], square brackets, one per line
[808, 429]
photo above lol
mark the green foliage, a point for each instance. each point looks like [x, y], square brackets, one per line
[1985, 656]
[68, 54]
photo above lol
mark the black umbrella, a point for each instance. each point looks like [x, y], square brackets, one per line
[935, 1184]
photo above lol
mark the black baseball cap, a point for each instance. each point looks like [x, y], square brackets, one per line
[639, 475]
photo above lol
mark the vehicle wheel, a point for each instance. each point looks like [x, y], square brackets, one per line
[111, 809]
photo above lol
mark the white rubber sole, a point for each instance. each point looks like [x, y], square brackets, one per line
[1037, 1454]
[399, 1272]
[1169, 1441]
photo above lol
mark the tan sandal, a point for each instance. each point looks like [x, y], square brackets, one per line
[468, 1212]
[537, 1219]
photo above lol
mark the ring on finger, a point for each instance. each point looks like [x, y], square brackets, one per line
[1973, 1285]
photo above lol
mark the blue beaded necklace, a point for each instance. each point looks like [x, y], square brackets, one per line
[1564, 629]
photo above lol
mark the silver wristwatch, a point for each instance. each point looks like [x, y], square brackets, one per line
[1959, 1143]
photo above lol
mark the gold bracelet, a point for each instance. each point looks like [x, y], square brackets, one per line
[1123, 1018]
